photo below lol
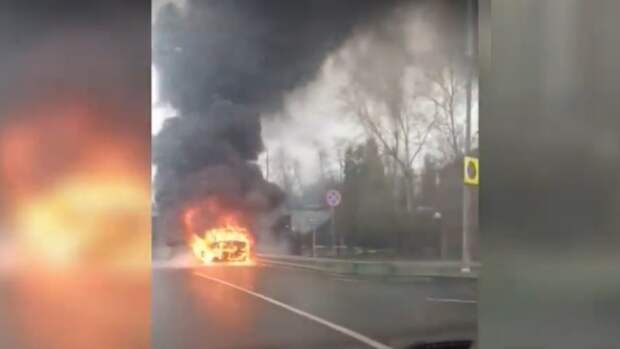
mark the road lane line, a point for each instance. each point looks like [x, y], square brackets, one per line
[360, 337]
[348, 280]
[451, 300]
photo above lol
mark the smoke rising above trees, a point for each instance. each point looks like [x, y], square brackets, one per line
[224, 64]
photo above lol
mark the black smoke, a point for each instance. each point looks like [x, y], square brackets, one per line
[222, 65]
[208, 155]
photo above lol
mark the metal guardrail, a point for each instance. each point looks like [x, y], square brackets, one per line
[376, 268]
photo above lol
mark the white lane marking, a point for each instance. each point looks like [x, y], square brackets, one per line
[451, 300]
[348, 280]
[360, 337]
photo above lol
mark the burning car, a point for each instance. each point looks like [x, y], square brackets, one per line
[231, 244]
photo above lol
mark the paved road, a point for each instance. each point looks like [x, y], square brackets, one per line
[275, 307]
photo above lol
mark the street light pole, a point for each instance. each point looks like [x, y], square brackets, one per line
[314, 242]
[333, 231]
[466, 257]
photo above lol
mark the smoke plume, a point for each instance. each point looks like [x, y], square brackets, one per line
[223, 65]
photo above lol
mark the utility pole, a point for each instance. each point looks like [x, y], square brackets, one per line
[469, 55]
[313, 242]
[311, 224]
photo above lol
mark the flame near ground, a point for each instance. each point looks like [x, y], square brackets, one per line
[227, 242]
[230, 244]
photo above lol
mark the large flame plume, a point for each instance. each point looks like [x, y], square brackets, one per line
[231, 244]
[218, 236]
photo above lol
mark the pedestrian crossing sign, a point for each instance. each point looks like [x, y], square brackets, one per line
[471, 174]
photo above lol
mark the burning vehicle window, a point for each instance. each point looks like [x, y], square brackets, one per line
[315, 174]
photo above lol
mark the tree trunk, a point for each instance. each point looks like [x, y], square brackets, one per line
[408, 189]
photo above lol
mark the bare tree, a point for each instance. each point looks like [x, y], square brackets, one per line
[401, 129]
[297, 175]
[341, 145]
[287, 171]
[445, 89]
[322, 160]
[404, 99]
[328, 164]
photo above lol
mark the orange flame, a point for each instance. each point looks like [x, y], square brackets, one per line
[76, 194]
[231, 244]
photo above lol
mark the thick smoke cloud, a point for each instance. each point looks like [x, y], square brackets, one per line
[223, 64]
[249, 52]
[209, 155]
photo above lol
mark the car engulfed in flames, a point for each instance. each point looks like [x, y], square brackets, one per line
[230, 244]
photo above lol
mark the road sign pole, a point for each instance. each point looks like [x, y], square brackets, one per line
[466, 189]
[332, 198]
[466, 224]
[333, 230]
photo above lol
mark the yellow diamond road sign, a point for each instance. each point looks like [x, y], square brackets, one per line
[472, 173]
